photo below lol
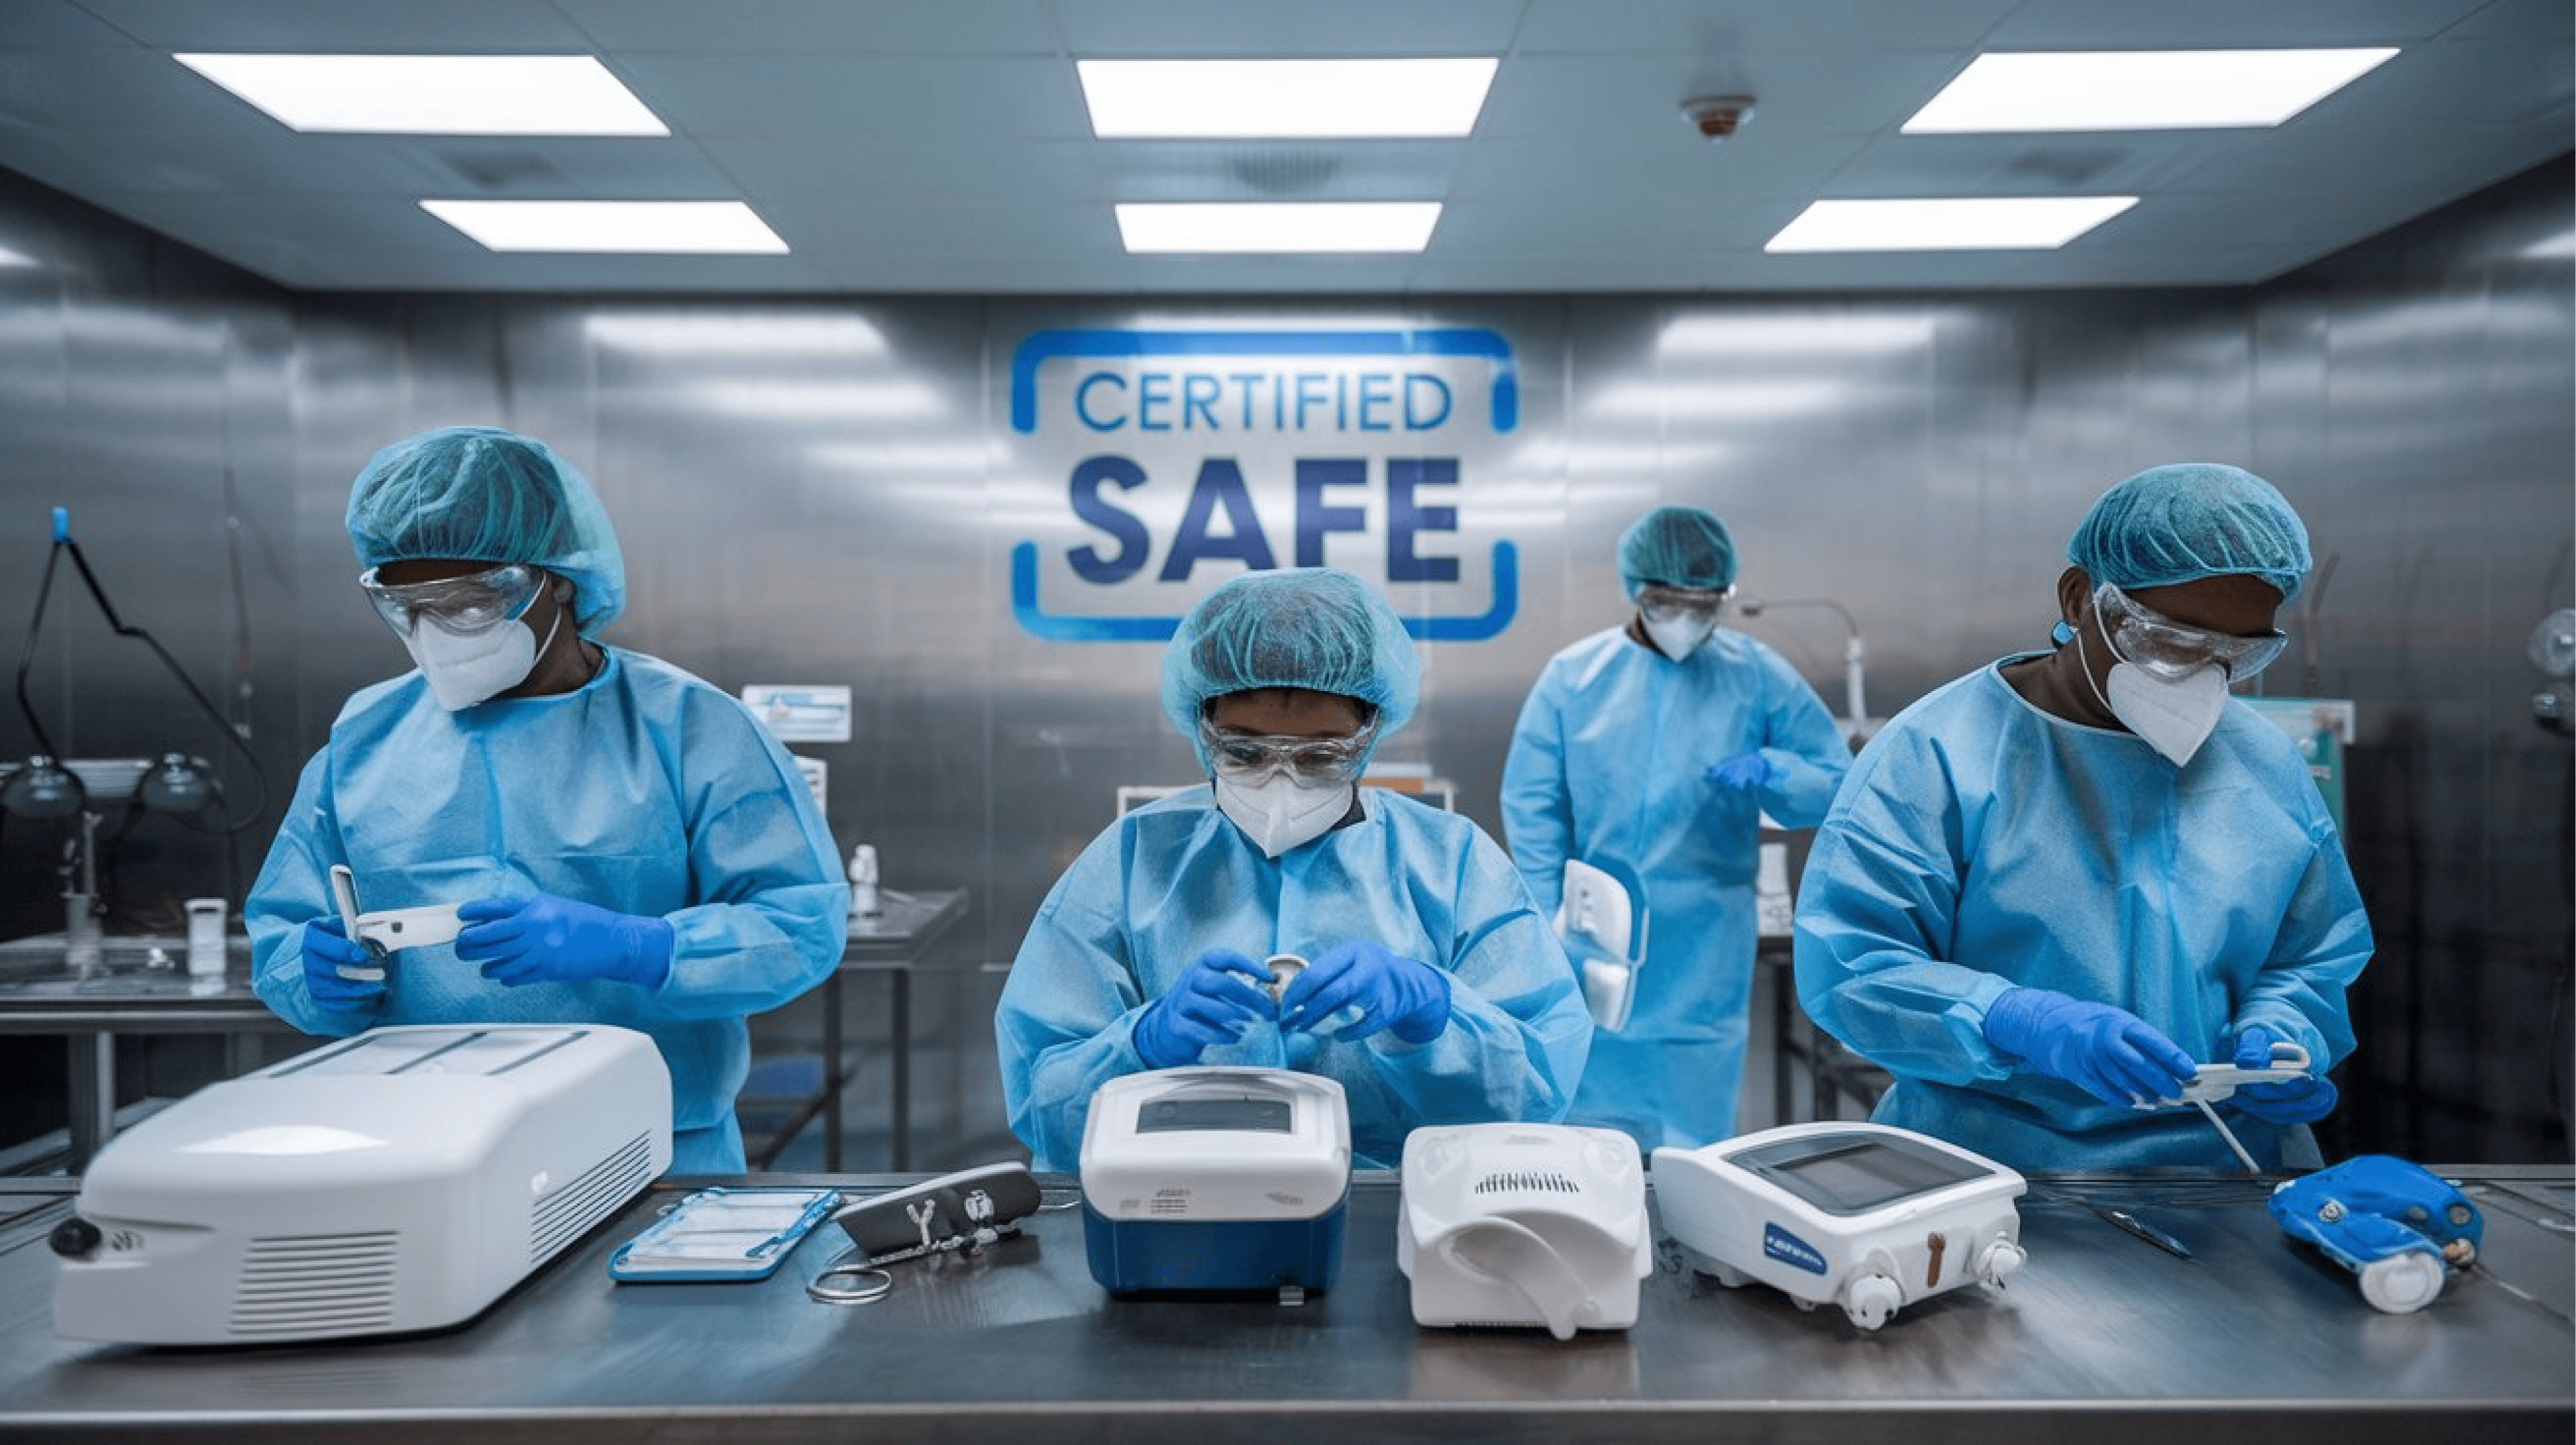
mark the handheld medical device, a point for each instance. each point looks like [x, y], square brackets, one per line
[2398, 1226]
[2214, 1082]
[383, 932]
[1865, 1216]
[399, 1180]
[964, 1211]
[1602, 924]
[1524, 1225]
[1216, 1178]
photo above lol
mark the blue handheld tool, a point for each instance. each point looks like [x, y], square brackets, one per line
[2397, 1225]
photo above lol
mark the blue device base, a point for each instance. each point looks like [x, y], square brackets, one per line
[1214, 1254]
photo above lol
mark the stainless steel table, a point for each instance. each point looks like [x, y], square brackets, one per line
[128, 995]
[2102, 1339]
[895, 941]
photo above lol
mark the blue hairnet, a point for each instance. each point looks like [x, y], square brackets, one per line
[1318, 628]
[2190, 520]
[1676, 547]
[481, 494]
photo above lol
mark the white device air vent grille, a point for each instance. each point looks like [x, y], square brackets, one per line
[1524, 1181]
[301, 1284]
[562, 1217]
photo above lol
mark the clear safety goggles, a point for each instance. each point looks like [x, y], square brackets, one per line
[1673, 604]
[2168, 648]
[1315, 760]
[475, 602]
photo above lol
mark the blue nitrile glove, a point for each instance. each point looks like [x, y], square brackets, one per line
[2110, 1053]
[1210, 1004]
[1745, 770]
[326, 948]
[552, 939]
[1404, 995]
[2291, 1101]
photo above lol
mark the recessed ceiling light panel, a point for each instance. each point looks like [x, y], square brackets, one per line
[434, 94]
[2138, 89]
[1284, 99]
[639, 227]
[1955, 223]
[1278, 227]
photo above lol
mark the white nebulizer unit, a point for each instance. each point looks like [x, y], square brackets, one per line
[1864, 1216]
[1524, 1225]
[399, 1180]
[1216, 1178]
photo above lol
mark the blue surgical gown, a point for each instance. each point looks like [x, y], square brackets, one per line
[1983, 844]
[1168, 882]
[646, 791]
[1609, 764]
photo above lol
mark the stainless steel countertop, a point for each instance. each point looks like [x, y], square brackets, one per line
[2102, 1338]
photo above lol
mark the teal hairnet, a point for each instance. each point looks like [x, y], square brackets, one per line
[1676, 547]
[2190, 520]
[1318, 628]
[485, 495]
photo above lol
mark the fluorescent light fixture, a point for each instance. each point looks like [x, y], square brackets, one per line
[12, 258]
[1338, 226]
[433, 94]
[694, 227]
[1283, 99]
[2138, 89]
[1964, 223]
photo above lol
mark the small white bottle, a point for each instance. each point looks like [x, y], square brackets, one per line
[865, 902]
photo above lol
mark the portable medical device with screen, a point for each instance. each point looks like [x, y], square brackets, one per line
[1864, 1216]
[1216, 1178]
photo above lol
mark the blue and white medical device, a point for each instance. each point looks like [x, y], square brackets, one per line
[1216, 1178]
[1865, 1216]
[2398, 1226]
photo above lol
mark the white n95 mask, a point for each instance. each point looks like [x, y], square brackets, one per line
[2173, 715]
[1277, 812]
[464, 668]
[1678, 635]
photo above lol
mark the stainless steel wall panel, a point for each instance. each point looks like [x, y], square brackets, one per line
[829, 490]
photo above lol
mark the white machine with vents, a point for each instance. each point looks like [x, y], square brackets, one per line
[399, 1180]
[1524, 1225]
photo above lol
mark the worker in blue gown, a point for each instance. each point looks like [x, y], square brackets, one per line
[1433, 993]
[1653, 750]
[628, 844]
[2055, 886]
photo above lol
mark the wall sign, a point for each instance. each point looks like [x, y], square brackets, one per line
[1190, 456]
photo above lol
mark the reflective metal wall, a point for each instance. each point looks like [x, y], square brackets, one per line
[831, 491]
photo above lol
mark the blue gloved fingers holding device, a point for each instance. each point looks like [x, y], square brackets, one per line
[1390, 992]
[2107, 1052]
[548, 938]
[1209, 1004]
[327, 950]
[1746, 771]
[2289, 1101]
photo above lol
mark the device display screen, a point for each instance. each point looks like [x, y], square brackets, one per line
[1236, 1115]
[1843, 1175]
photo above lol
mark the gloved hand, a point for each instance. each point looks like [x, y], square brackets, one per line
[2291, 1101]
[1210, 1004]
[326, 947]
[1745, 770]
[1390, 991]
[548, 938]
[2110, 1053]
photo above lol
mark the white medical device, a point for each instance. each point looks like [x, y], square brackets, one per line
[1864, 1216]
[1602, 924]
[387, 930]
[1524, 1225]
[1216, 1178]
[399, 1180]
